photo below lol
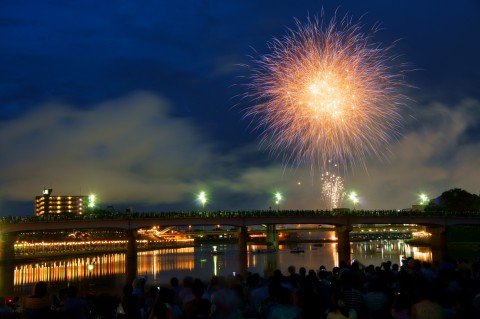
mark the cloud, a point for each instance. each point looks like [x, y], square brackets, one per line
[128, 150]
[125, 149]
[132, 150]
[431, 157]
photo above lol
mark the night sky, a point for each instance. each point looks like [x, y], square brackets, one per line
[139, 102]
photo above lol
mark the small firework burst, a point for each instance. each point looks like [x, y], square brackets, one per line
[332, 190]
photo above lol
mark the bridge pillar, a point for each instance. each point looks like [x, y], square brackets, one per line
[7, 251]
[438, 242]
[242, 250]
[271, 264]
[7, 263]
[131, 262]
[343, 243]
[272, 235]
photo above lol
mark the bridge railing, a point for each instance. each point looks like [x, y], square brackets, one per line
[238, 214]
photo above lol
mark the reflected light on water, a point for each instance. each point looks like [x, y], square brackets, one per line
[215, 265]
[422, 253]
[377, 251]
[157, 261]
[335, 254]
[160, 265]
[78, 269]
[69, 270]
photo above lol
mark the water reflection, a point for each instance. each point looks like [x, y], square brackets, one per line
[74, 269]
[158, 266]
[378, 251]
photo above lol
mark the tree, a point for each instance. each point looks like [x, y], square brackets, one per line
[455, 200]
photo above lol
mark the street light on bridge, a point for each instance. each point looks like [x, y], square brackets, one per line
[278, 199]
[91, 201]
[354, 198]
[202, 198]
[423, 199]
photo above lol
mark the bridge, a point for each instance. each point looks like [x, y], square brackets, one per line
[343, 222]
[239, 219]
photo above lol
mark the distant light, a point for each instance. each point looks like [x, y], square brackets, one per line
[91, 201]
[423, 199]
[278, 196]
[353, 197]
[202, 198]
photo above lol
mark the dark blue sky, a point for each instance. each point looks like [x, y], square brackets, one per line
[137, 102]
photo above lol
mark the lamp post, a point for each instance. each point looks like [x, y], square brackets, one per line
[354, 198]
[91, 204]
[202, 198]
[423, 199]
[278, 199]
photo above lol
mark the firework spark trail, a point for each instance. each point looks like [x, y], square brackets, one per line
[326, 91]
[332, 190]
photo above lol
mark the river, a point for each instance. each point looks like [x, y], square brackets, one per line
[107, 271]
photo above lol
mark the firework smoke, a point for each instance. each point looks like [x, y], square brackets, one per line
[326, 92]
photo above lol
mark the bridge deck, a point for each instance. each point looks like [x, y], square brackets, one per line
[244, 219]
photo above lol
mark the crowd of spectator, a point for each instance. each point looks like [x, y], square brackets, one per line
[413, 290]
[101, 214]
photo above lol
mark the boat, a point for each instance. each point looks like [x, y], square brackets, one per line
[297, 250]
[216, 253]
[264, 251]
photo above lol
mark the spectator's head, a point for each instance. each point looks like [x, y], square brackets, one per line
[198, 288]
[336, 271]
[355, 266]
[139, 283]
[174, 282]
[302, 271]
[277, 273]
[386, 266]
[291, 270]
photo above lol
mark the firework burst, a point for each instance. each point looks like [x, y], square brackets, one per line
[326, 91]
[332, 190]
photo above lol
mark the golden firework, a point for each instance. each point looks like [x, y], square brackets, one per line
[327, 92]
[332, 190]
